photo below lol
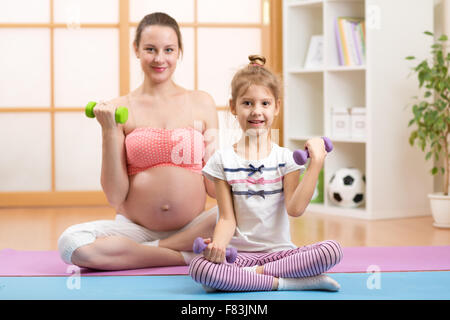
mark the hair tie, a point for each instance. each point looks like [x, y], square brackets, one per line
[257, 60]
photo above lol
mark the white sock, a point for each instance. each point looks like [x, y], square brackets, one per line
[188, 256]
[154, 243]
[320, 282]
[250, 269]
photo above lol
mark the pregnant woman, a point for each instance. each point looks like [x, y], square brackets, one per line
[151, 165]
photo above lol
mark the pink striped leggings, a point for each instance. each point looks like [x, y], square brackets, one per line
[301, 262]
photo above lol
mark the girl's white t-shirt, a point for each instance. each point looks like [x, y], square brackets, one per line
[262, 223]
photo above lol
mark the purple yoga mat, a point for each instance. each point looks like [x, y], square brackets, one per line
[15, 263]
[356, 259]
[394, 259]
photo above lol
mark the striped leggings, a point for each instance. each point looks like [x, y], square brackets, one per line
[301, 262]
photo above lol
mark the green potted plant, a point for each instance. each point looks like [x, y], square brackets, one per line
[431, 121]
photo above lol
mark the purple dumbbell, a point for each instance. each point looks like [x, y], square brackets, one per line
[300, 156]
[200, 245]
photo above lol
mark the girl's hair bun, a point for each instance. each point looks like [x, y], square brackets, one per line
[254, 73]
[257, 60]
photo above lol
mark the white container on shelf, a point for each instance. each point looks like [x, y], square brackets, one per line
[358, 122]
[340, 123]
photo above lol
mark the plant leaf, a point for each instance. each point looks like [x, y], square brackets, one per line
[412, 137]
[436, 156]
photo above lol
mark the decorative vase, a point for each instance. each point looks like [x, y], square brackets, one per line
[440, 209]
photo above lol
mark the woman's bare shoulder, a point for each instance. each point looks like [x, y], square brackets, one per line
[121, 101]
[204, 107]
[202, 99]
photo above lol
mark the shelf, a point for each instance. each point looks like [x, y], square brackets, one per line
[338, 140]
[329, 69]
[349, 140]
[305, 3]
[346, 68]
[343, 1]
[304, 70]
[381, 86]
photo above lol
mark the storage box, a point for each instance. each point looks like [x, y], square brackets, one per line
[358, 122]
[340, 123]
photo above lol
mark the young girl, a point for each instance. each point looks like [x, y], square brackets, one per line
[257, 186]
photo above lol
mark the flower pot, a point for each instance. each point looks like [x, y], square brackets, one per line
[440, 209]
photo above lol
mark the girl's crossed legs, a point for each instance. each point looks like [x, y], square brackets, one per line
[308, 261]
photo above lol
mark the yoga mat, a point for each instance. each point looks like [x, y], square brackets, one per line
[354, 286]
[49, 263]
[392, 259]
[356, 259]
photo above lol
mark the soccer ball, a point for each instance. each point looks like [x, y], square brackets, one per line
[347, 188]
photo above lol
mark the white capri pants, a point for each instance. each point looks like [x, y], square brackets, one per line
[82, 234]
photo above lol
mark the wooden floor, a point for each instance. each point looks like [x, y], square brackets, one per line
[39, 228]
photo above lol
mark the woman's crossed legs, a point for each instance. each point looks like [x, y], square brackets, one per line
[121, 244]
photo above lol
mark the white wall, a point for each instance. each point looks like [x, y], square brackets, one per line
[441, 26]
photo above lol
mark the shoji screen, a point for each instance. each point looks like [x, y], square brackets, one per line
[56, 55]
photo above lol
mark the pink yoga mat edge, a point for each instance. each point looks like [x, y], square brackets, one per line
[19, 263]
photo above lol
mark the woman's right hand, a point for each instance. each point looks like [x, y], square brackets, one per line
[105, 113]
[214, 252]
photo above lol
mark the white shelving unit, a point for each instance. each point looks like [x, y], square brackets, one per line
[397, 176]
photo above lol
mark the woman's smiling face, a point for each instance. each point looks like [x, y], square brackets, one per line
[158, 52]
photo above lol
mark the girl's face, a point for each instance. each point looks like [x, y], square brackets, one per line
[255, 110]
[158, 52]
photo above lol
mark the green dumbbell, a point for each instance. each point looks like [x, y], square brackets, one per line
[121, 112]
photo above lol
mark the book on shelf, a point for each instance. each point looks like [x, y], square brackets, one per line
[350, 41]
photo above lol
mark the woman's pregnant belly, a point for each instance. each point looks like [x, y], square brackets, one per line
[164, 198]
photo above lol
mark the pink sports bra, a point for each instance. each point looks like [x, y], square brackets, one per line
[155, 147]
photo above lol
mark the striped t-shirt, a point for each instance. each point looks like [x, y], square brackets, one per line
[262, 223]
